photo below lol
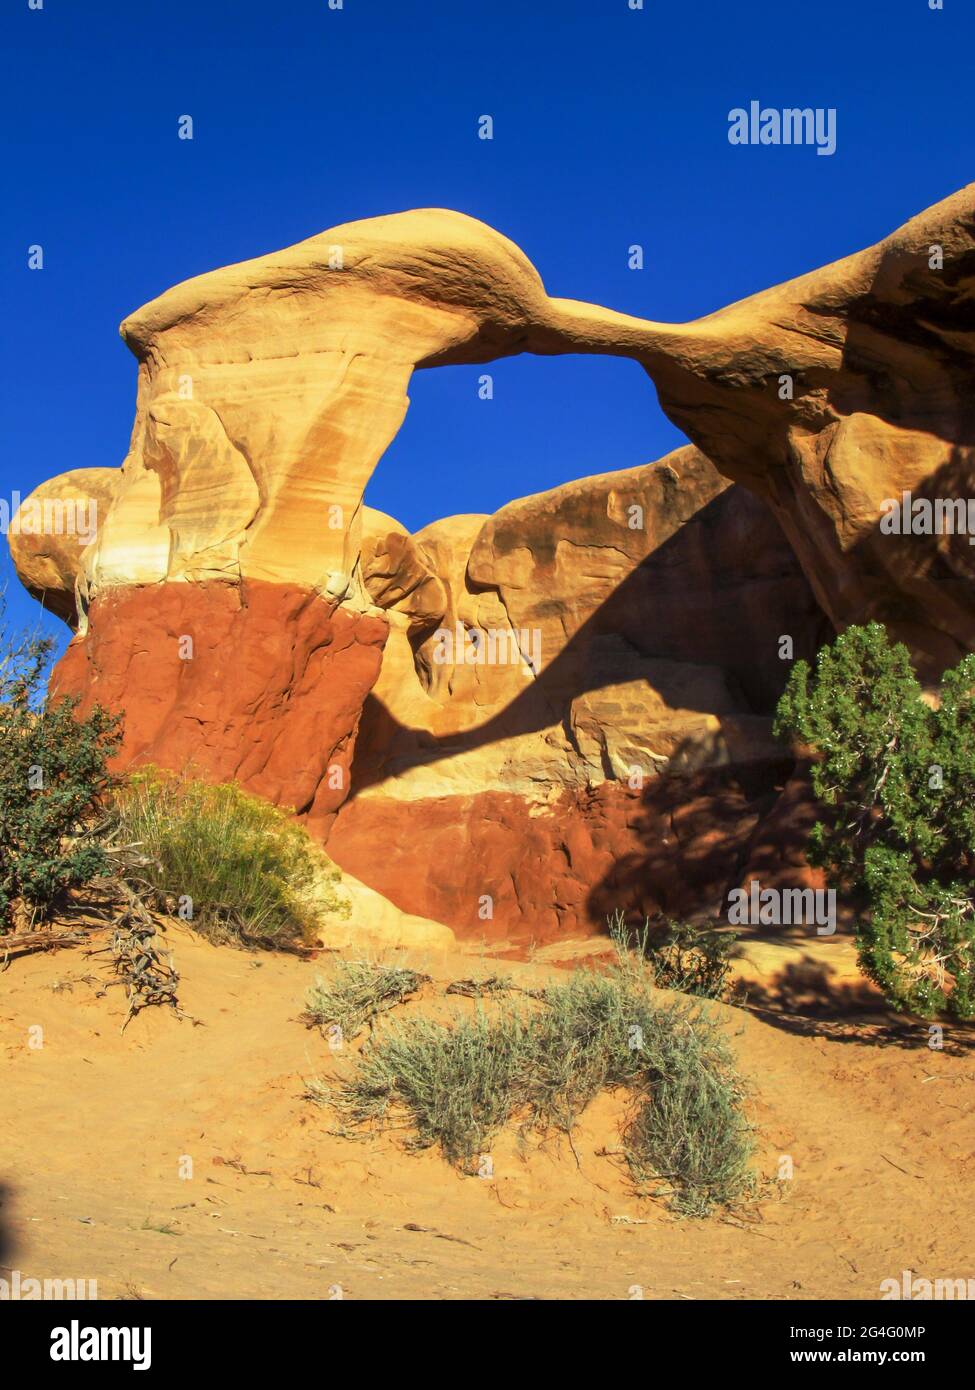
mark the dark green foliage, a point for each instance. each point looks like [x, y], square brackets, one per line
[52, 774]
[896, 776]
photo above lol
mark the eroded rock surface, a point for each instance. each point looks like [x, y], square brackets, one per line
[634, 767]
[261, 684]
[637, 650]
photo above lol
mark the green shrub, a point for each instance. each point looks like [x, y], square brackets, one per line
[690, 1129]
[591, 1036]
[454, 1086]
[52, 775]
[458, 1085]
[238, 867]
[896, 779]
[683, 957]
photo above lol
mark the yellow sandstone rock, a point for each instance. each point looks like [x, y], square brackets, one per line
[268, 391]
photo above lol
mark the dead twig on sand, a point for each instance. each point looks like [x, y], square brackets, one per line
[80, 917]
[493, 984]
[478, 989]
[147, 977]
[21, 943]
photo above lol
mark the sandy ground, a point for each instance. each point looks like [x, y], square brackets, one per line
[97, 1127]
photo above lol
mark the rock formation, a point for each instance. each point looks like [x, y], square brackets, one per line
[658, 647]
[514, 723]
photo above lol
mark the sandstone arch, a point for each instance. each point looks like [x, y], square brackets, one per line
[304, 368]
[269, 390]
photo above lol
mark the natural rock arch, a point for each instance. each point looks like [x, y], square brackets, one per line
[269, 390]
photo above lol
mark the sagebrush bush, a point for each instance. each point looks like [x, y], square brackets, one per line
[53, 775]
[690, 1128]
[683, 957]
[357, 992]
[247, 872]
[458, 1085]
[895, 774]
[453, 1086]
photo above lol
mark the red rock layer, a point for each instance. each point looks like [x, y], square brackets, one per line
[675, 848]
[267, 691]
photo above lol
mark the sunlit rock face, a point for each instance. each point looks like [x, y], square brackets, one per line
[571, 698]
[832, 395]
[588, 724]
[262, 684]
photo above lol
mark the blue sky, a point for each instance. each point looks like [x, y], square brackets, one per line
[611, 128]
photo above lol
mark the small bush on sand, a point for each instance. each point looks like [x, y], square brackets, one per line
[356, 993]
[689, 1129]
[456, 1086]
[452, 1086]
[52, 776]
[683, 957]
[247, 872]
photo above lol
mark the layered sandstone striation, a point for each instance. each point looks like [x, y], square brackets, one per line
[255, 620]
[633, 767]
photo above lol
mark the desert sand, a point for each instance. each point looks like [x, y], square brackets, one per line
[878, 1126]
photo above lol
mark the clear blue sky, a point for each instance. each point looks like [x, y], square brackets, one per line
[610, 129]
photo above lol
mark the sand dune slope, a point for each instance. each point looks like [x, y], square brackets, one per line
[879, 1129]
